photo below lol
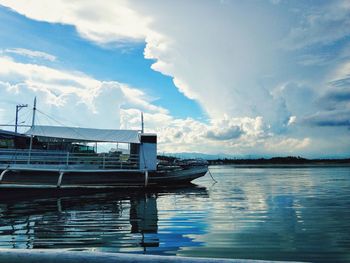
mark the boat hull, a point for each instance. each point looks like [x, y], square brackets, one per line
[98, 179]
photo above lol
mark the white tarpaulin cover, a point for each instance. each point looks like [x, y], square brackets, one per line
[85, 134]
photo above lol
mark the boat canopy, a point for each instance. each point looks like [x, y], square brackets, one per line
[8, 134]
[85, 134]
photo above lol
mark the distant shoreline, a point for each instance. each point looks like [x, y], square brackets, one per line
[281, 161]
[289, 160]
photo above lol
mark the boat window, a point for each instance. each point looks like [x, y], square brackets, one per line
[6, 143]
[81, 148]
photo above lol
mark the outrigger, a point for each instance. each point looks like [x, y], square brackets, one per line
[46, 157]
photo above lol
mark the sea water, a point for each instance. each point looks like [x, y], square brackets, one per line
[252, 212]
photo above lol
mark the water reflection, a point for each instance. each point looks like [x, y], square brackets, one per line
[279, 214]
[106, 222]
[296, 214]
[144, 220]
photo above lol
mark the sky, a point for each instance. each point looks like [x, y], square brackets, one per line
[221, 77]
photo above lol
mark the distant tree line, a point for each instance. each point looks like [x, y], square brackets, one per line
[273, 160]
[280, 160]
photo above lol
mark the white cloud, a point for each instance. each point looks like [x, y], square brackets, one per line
[227, 133]
[79, 96]
[29, 53]
[315, 60]
[292, 120]
[287, 145]
[324, 25]
[214, 61]
[2, 113]
[188, 135]
[334, 101]
[230, 135]
[137, 98]
[216, 55]
[227, 57]
[341, 72]
[55, 84]
[107, 22]
[77, 99]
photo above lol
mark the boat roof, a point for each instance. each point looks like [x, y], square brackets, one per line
[85, 134]
[9, 134]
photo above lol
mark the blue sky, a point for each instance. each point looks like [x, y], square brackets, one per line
[219, 77]
[125, 64]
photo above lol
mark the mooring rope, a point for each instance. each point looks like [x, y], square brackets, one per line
[211, 176]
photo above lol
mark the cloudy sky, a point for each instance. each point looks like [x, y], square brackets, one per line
[213, 76]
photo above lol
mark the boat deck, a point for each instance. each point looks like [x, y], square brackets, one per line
[56, 161]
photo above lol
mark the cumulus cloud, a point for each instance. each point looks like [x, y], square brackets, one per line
[225, 134]
[292, 120]
[236, 135]
[198, 62]
[76, 99]
[219, 73]
[76, 94]
[239, 60]
[55, 84]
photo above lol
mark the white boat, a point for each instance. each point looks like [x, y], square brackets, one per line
[46, 157]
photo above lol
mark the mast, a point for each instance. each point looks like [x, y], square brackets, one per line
[142, 124]
[34, 110]
[32, 127]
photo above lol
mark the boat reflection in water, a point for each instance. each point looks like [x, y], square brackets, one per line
[144, 220]
[107, 222]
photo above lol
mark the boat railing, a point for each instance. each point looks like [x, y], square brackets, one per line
[69, 160]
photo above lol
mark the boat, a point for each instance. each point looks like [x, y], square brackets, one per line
[60, 157]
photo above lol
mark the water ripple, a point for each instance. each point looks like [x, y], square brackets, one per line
[257, 213]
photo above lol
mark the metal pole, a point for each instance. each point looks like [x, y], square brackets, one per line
[31, 137]
[16, 118]
[146, 178]
[18, 108]
[142, 124]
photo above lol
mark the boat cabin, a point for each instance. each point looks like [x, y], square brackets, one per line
[70, 146]
[12, 140]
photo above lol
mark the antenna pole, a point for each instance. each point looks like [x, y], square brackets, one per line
[18, 108]
[31, 136]
[142, 124]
